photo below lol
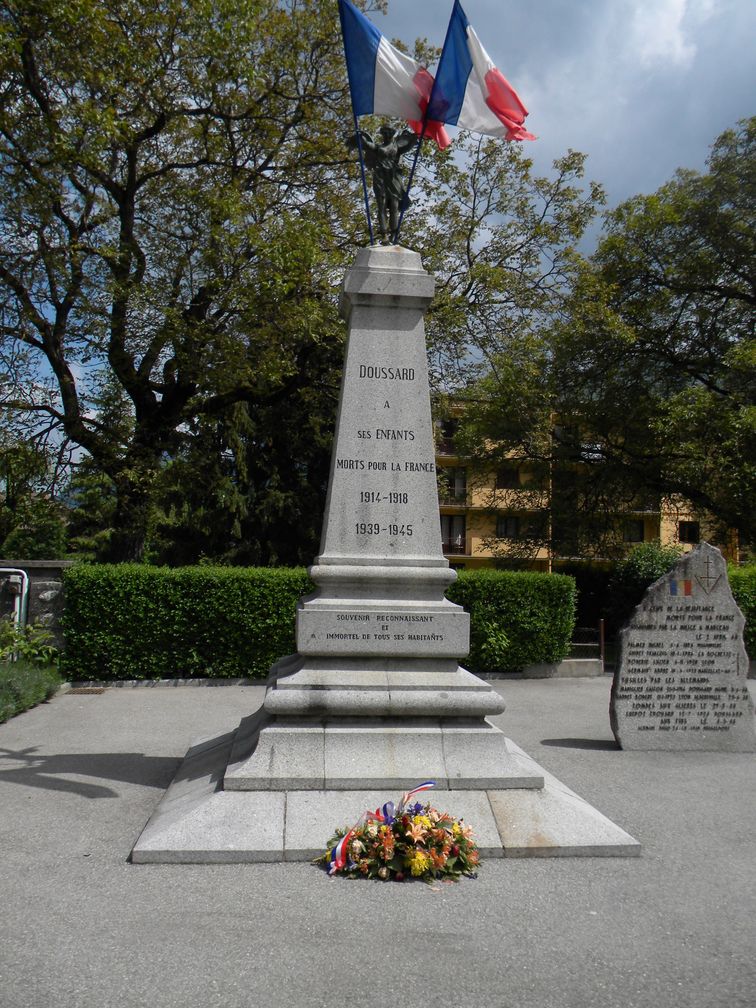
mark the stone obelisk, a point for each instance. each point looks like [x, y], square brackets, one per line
[378, 644]
[375, 699]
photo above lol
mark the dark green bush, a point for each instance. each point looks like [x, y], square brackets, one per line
[517, 618]
[644, 564]
[126, 621]
[743, 584]
[23, 684]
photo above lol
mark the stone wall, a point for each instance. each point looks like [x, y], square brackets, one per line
[45, 593]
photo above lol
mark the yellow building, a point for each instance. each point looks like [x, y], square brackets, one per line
[505, 515]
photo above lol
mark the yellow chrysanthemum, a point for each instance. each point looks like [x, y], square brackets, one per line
[422, 820]
[418, 862]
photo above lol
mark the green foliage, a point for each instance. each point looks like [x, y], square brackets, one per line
[32, 522]
[499, 240]
[656, 354]
[645, 564]
[128, 621]
[179, 167]
[743, 585]
[639, 385]
[517, 618]
[23, 684]
[38, 533]
[32, 643]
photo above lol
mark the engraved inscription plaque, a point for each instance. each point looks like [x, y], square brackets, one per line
[680, 681]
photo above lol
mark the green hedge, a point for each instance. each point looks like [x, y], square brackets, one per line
[129, 621]
[743, 584]
[517, 618]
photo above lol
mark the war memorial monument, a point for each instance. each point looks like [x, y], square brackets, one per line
[375, 699]
[680, 682]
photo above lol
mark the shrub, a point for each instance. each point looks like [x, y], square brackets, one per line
[128, 621]
[33, 643]
[23, 684]
[517, 618]
[743, 584]
[38, 533]
[644, 564]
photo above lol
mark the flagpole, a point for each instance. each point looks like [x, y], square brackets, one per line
[356, 131]
[362, 174]
[405, 201]
[425, 121]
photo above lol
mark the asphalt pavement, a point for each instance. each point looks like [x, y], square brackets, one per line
[84, 928]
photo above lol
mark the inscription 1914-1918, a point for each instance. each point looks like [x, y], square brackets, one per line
[680, 678]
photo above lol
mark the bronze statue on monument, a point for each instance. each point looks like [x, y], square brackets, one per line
[383, 157]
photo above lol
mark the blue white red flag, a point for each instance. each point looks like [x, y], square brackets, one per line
[470, 92]
[383, 80]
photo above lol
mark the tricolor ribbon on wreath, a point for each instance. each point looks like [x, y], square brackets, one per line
[387, 813]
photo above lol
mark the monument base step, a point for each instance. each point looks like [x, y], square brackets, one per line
[198, 822]
[357, 754]
[568, 668]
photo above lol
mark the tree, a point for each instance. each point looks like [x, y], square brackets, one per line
[640, 385]
[500, 242]
[657, 354]
[32, 520]
[173, 212]
[176, 222]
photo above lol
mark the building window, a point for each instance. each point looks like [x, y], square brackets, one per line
[447, 432]
[508, 477]
[453, 533]
[633, 530]
[452, 486]
[508, 527]
[689, 532]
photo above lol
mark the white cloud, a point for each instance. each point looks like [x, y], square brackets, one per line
[663, 30]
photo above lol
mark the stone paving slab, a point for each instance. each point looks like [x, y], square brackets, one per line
[555, 822]
[313, 816]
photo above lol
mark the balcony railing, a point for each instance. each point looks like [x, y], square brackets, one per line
[452, 499]
[453, 548]
[446, 446]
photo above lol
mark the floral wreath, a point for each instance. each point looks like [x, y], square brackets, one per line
[410, 839]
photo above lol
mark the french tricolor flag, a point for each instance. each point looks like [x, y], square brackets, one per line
[470, 92]
[384, 81]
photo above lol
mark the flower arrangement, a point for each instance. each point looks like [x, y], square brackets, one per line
[410, 840]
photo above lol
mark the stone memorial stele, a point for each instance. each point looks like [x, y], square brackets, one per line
[680, 681]
[375, 699]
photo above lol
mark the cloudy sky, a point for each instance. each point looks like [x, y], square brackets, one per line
[641, 86]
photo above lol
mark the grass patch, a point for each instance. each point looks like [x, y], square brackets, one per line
[24, 684]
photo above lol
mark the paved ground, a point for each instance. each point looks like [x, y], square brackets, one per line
[82, 928]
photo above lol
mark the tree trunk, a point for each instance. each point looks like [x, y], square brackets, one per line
[135, 487]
